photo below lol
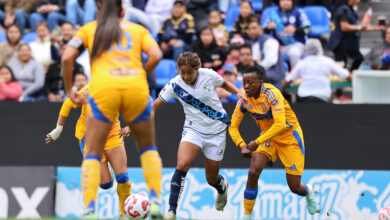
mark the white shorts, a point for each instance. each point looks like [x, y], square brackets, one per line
[213, 146]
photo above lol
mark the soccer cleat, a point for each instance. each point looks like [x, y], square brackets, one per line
[155, 211]
[123, 217]
[221, 200]
[311, 202]
[247, 217]
[89, 214]
[170, 215]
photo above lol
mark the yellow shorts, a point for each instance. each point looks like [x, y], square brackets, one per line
[106, 102]
[111, 143]
[290, 152]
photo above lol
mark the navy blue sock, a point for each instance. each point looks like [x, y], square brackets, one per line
[221, 185]
[177, 185]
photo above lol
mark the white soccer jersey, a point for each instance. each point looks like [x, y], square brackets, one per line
[202, 107]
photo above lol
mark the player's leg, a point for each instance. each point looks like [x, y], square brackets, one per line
[118, 160]
[106, 181]
[258, 162]
[96, 134]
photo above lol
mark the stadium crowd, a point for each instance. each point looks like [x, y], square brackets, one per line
[228, 35]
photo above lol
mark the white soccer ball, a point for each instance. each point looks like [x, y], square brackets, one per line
[384, 214]
[137, 206]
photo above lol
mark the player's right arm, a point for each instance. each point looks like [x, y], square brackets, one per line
[151, 48]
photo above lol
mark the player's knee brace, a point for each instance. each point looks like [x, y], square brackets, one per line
[106, 185]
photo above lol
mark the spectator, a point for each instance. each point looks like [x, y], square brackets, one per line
[229, 74]
[246, 15]
[18, 12]
[41, 47]
[233, 56]
[29, 73]
[171, 46]
[51, 11]
[9, 48]
[79, 80]
[80, 12]
[211, 55]
[67, 32]
[10, 89]
[374, 57]
[159, 10]
[54, 84]
[314, 70]
[266, 52]
[246, 59]
[345, 38]
[140, 17]
[181, 22]
[291, 27]
[221, 35]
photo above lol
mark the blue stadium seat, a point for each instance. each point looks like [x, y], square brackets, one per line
[3, 36]
[257, 5]
[319, 19]
[266, 13]
[165, 71]
[29, 37]
[232, 14]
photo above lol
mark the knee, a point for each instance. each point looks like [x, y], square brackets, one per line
[183, 166]
[254, 173]
[18, 12]
[52, 16]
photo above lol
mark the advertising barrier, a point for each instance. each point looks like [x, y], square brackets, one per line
[342, 195]
[26, 192]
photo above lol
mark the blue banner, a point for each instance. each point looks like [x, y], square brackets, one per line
[342, 194]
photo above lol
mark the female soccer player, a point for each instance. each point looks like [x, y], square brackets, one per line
[114, 150]
[281, 136]
[118, 84]
[204, 127]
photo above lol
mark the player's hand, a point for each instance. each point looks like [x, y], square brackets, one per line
[245, 152]
[125, 132]
[76, 97]
[252, 146]
[241, 96]
[48, 139]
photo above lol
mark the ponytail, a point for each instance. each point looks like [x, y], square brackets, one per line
[108, 28]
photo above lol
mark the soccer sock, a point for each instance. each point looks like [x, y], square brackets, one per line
[152, 168]
[106, 185]
[90, 179]
[249, 200]
[221, 185]
[304, 193]
[177, 185]
[123, 190]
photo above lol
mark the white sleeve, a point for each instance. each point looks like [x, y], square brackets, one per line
[167, 92]
[341, 72]
[216, 78]
[271, 47]
[295, 73]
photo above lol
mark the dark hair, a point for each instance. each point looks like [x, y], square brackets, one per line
[234, 47]
[78, 73]
[9, 27]
[189, 59]
[246, 45]
[257, 21]
[108, 28]
[43, 23]
[250, 3]
[23, 44]
[67, 22]
[259, 70]
[13, 79]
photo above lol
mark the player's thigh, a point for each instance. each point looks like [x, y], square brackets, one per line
[105, 175]
[96, 134]
[292, 156]
[117, 158]
[144, 133]
[186, 155]
[268, 148]
[214, 146]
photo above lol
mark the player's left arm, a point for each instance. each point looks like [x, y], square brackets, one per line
[237, 117]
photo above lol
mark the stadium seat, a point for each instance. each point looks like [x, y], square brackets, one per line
[266, 13]
[29, 37]
[257, 5]
[232, 14]
[165, 71]
[319, 19]
[3, 36]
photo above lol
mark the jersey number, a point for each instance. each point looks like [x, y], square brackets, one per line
[126, 46]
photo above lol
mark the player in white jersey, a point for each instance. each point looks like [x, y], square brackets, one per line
[204, 127]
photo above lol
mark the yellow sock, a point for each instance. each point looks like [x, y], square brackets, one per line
[248, 206]
[90, 180]
[123, 190]
[152, 167]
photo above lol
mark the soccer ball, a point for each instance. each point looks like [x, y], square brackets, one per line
[384, 214]
[137, 206]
